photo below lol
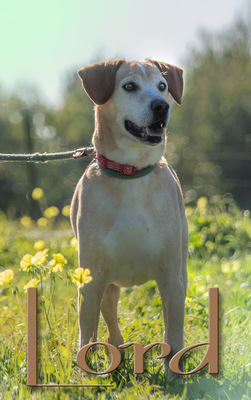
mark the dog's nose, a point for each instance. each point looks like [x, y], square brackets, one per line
[160, 107]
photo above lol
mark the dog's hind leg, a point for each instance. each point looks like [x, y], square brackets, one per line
[172, 290]
[109, 310]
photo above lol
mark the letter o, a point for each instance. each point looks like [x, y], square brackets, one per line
[115, 354]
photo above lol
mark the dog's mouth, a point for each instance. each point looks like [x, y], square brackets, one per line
[152, 134]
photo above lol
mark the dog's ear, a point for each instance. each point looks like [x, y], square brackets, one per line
[99, 79]
[174, 77]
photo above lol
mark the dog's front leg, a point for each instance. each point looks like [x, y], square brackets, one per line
[89, 299]
[109, 310]
[172, 290]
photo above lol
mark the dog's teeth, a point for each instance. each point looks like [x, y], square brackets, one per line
[143, 133]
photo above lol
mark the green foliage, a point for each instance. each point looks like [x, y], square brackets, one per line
[27, 127]
[209, 141]
[140, 313]
[222, 238]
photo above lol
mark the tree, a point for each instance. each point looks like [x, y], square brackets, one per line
[211, 146]
[50, 130]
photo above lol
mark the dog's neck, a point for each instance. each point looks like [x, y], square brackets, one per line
[127, 153]
[123, 171]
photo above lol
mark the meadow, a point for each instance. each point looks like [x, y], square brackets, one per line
[44, 254]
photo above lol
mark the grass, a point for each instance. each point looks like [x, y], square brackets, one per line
[219, 254]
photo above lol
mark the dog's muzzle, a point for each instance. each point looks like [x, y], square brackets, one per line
[152, 134]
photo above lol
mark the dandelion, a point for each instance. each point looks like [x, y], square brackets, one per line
[66, 211]
[26, 221]
[51, 212]
[33, 282]
[25, 263]
[58, 262]
[81, 276]
[39, 245]
[37, 193]
[6, 276]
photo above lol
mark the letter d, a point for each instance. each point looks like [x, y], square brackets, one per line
[212, 355]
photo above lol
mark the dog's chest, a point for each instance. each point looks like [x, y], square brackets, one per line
[132, 227]
[134, 230]
[135, 236]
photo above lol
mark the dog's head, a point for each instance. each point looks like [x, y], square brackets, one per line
[132, 105]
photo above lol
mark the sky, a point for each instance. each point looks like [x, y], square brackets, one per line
[42, 41]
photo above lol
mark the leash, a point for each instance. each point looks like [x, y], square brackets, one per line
[44, 157]
[116, 170]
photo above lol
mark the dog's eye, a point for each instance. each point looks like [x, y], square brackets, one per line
[162, 86]
[129, 87]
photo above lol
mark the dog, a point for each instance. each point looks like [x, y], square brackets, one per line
[127, 211]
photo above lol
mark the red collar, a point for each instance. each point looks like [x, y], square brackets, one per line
[123, 169]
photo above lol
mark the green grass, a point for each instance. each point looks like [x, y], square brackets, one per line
[219, 254]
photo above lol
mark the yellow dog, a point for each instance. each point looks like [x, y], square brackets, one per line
[127, 211]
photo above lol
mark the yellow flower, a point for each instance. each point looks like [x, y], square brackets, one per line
[39, 245]
[33, 282]
[66, 211]
[40, 257]
[226, 267]
[6, 276]
[189, 211]
[37, 193]
[56, 267]
[26, 221]
[42, 221]
[188, 300]
[74, 243]
[81, 276]
[57, 262]
[59, 258]
[51, 212]
[202, 202]
[236, 265]
[25, 263]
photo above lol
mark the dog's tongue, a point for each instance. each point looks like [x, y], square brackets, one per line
[151, 131]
